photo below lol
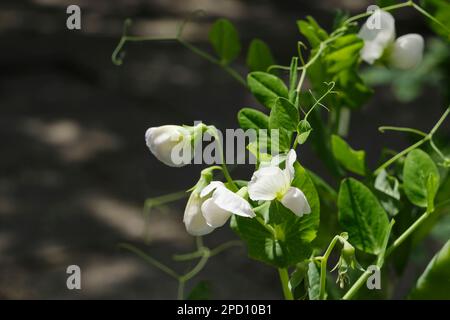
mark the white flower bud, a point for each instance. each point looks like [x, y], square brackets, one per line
[407, 51]
[170, 144]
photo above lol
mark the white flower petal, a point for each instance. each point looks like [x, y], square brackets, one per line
[290, 160]
[407, 52]
[162, 140]
[295, 200]
[378, 33]
[214, 215]
[211, 187]
[267, 183]
[231, 202]
[193, 218]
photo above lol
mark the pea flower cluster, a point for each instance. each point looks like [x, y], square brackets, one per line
[212, 203]
[380, 43]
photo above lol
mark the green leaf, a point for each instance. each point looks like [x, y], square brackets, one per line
[417, 169]
[387, 184]
[201, 291]
[303, 129]
[432, 188]
[350, 159]
[266, 87]
[249, 118]
[259, 56]
[308, 31]
[362, 216]
[313, 281]
[252, 119]
[290, 242]
[434, 283]
[312, 31]
[389, 194]
[284, 115]
[293, 76]
[225, 40]
[344, 53]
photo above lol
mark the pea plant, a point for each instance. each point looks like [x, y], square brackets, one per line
[327, 239]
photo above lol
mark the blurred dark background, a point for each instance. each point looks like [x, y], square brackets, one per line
[75, 170]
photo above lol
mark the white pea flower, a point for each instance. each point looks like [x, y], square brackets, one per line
[211, 207]
[378, 34]
[270, 182]
[193, 218]
[171, 144]
[218, 208]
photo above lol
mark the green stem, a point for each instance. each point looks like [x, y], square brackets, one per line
[295, 142]
[266, 226]
[407, 232]
[402, 129]
[427, 137]
[151, 203]
[213, 252]
[429, 16]
[188, 276]
[439, 152]
[170, 197]
[300, 82]
[322, 47]
[356, 286]
[125, 38]
[284, 278]
[323, 267]
[198, 267]
[409, 3]
[215, 61]
[277, 66]
[226, 173]
[388, 8]
[440, 121]
[199, 243]
[401, 154]
[225, 246]
[187, 256]
[150, 260]
[317, 101]
[180, 294]
[228, 177]
[343, 124]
